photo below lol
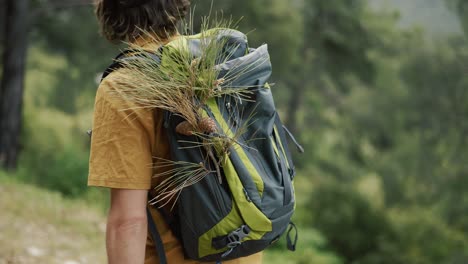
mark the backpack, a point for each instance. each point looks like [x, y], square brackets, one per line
[246, 199]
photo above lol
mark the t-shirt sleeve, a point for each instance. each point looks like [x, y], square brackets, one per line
[121, 155]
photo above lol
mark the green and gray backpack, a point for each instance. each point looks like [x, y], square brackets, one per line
[244, 201]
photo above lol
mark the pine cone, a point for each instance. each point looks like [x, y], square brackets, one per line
[185, 128]
[207, 125]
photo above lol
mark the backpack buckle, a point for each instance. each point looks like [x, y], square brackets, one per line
[235, 238]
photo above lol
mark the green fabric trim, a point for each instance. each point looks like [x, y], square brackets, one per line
[252, 216]
[273, 143]
[228, 224]
[243, 211]
[239, 150]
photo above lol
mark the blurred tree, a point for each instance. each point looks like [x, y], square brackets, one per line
[423, 237]
[463, 11]
[3, 20]
[87, 54]
[18, 21]
[355, 229]
[461, 8]
[11, 89]
[438, 105]
[334, 45]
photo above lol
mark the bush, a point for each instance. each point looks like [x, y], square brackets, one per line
[353, 227]
[424, 238]
[53, 156]
[361, 232]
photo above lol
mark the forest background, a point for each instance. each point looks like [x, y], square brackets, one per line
[376, 92]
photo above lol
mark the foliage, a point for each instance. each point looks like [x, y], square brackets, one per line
[365, 233]
[461, 7]
[442, 243]
[354, 227]
[54, 161]
[87, 53]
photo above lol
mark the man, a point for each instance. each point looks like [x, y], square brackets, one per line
[127, 140]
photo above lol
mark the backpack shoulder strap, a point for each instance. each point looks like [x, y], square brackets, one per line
[128, 55]
[158, 244]
[116, 63]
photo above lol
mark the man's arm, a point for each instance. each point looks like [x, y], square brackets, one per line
[127, 226]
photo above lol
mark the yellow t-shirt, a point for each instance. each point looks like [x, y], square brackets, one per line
[125, 142]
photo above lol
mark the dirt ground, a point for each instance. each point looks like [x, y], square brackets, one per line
[37, 226]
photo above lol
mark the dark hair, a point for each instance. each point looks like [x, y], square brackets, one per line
[124, 20]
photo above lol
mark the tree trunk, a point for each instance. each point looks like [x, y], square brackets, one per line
[11, 97]
[3, 19]
[2, 23]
